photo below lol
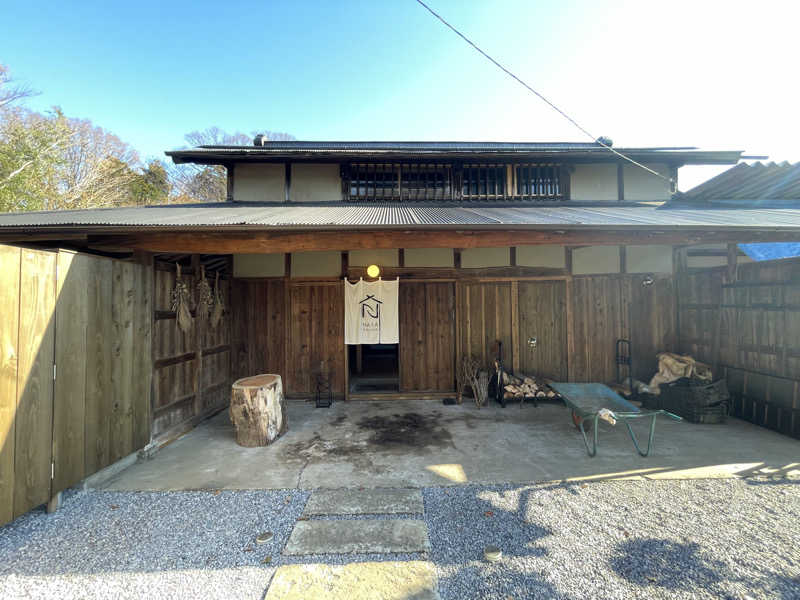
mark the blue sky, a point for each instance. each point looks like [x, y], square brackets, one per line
[713, 74]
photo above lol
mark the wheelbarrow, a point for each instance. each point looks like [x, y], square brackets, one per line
[589, 402]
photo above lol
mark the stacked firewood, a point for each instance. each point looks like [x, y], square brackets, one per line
[525, 387]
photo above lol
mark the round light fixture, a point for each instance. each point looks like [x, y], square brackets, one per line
[373, 271]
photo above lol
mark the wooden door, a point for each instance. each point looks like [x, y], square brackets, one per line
[316, 333]
[542, 315]
[427, 343]
[485, 310]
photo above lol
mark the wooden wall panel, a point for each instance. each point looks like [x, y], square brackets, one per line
[542, 314]
[316, 334]
[193, 369]
[98, 404]
[427, 336]
[485, 310]
[652, 323]
[258, 327]
[34, 418]
[9, 331]
[600, 313]
[69, 404]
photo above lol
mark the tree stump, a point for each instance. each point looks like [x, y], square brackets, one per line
[258, 410]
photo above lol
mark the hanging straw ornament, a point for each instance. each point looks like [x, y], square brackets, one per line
[180, 303]
[204, 296]
[216, 313]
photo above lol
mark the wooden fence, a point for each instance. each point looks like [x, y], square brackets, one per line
[75, 370]
[746, 322]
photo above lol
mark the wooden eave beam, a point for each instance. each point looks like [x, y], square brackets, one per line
[236, 242]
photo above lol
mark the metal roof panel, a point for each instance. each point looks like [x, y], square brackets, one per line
[374, 215]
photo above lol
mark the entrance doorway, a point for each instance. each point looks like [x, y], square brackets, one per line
[374, 368]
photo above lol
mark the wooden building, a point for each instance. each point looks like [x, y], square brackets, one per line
[564, 243]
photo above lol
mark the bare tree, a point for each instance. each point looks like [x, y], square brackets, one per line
[193, 183]
[99, 168]
[10, 91]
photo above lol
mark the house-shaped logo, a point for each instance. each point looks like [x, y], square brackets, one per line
[370, 307]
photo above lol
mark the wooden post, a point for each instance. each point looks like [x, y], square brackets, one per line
[229, 187]
[54, 503]
[733, 258]
[199, 329]
[679, 266]
[515, 346]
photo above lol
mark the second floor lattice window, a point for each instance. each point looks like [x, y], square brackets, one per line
[538, 182]
[398, 181]
[454, 181]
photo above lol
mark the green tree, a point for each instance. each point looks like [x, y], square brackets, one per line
[151, 185]
[31, 158]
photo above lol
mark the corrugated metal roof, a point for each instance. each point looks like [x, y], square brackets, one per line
[400, 150]
[365, 216]
[757, 184]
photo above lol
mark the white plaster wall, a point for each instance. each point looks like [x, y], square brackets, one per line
[541, 256]
[595, 260]
[316, 264]
[259, 182]
[476, 258]
[315, 183]
[428, 257]
[648, 259]
[594, 182]
[259, 265]
[643, 186]
[382, 258]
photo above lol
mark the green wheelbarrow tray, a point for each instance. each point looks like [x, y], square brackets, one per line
[586, 400]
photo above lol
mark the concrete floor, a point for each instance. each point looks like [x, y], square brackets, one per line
[418, 443]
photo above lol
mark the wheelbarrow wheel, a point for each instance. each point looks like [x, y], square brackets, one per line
[576, 420]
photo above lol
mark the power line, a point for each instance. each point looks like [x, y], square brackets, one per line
[540, 96]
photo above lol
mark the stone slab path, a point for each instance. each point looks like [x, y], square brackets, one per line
[391, 580]
[367, 536]
[384, 501]
[395, 527]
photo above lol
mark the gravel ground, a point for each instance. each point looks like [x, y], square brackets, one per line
[625, 539]
[148, 545]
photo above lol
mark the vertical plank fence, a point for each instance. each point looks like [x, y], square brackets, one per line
[746, 322]
[74, 390]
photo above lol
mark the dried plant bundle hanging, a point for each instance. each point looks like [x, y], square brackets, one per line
[180, 303]
[216, 313]
[204, 296]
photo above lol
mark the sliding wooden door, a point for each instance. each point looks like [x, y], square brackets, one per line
[427, 341]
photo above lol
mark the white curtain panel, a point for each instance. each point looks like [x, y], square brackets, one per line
[370, 312]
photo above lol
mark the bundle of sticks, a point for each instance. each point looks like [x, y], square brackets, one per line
[525, 387]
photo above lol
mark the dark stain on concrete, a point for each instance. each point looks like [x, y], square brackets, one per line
[409, 430]
[318, 450]
[381, 434]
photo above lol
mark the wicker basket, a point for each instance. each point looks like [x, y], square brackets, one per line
[697, 403]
